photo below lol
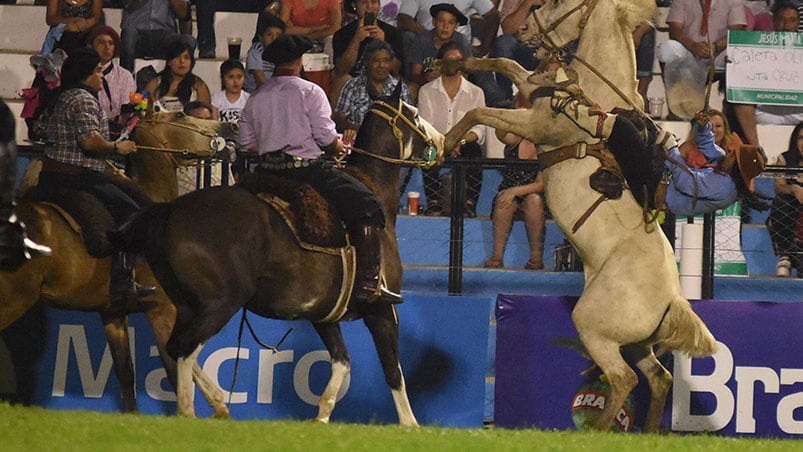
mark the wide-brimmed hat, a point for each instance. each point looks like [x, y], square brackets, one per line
[287, 48]
[751, 163]
[449, 8]
[105, 30]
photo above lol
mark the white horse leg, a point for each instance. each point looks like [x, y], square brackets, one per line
[212, 393]
[326, 404]
[660, 380]
[403, 408]
[185, 390]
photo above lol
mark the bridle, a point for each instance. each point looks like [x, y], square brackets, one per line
[216, 142]
[396, 114]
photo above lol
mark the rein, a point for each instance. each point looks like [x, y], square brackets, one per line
[216, 142]
[397, 132]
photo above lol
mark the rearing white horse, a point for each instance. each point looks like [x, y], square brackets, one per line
[631, 300]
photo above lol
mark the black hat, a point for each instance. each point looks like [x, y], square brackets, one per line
[80, 64]
[287, 48]
[449, 8]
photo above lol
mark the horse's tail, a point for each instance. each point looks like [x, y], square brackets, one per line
[686, 332]
[141, 230]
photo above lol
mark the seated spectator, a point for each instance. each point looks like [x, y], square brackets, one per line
[74, 19]
[644, 42]
[443, 102]
[258, 69]
[231, 99]
[118, 82]
[514, 14]
[427, 44]
[175, 86]
[315, 19]
[271, 8]
[785, 223]
[200, 110]
[147, 25]
[785, 18]
[695, 36]
[371, 83]
[349, 44]
[205, 22]
[416, 16]
[520, 196]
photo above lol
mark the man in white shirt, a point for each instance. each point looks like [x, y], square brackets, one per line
[443, 102]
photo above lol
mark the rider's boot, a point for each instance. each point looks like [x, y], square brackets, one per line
[123, 289]
[595, 121]
[367, 284]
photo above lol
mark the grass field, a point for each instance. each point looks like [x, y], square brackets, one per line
[37, 429]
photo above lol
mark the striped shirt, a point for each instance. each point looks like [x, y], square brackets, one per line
[354, 100]
[75, 117]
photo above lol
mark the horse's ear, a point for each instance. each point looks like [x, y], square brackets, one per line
[373, 94]
[397, 92]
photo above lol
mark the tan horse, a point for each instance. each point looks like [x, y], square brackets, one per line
[631, 300]
[72, 279]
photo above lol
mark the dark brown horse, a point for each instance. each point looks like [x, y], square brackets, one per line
[70, 278]
[219, 250]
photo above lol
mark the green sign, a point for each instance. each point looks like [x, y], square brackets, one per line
[765, 68]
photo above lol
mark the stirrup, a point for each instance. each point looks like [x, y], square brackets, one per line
[382, 294]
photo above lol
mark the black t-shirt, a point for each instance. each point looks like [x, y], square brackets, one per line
[342, 38]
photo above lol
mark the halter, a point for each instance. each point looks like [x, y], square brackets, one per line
[216, 142]
[431, 152]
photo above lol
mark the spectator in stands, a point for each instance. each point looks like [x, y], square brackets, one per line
[175, 86]
[514, 14]
[74, 19]
[785, 223]
[259, 69]
[315, 19]
[118, 82]
[520, 196]
[443, 102]
[200, 110]
[147, 25]
[205, 21]
[358, 93]
[785, 18]
[271, 8]
[644, 41]
[427, 44]
[350, 41]
[696, 36]
[416, 16]
[231, 99]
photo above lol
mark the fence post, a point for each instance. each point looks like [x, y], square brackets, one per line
[458, 204]
[709, 224]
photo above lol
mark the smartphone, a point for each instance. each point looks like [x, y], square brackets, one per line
[370, 19]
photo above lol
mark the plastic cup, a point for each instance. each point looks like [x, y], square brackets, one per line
[234, 47]
[656, 107]
[413, 199]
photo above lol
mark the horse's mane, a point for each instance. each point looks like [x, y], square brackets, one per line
[631, 13]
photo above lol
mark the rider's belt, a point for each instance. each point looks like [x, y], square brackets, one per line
[283, 161]
[54, 166]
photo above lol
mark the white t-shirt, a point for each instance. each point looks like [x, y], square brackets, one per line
[229, 112]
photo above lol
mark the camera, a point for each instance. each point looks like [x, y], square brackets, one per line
[369, 19]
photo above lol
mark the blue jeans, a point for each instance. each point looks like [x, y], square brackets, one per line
[507, 46]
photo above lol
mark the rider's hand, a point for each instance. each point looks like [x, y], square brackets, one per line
[125, 147]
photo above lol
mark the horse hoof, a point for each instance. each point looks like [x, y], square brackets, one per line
[222, 414]
[320, 420]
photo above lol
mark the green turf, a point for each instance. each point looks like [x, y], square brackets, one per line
[37, 429]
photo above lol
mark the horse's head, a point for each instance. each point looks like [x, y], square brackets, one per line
[394, 130]
[557, 23]
[181, 133]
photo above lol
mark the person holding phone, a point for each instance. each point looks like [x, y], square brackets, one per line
[349, 44]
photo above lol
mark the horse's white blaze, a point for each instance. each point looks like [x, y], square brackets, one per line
[185, 392]
[403, 408]
[211, 391]
[326, 404]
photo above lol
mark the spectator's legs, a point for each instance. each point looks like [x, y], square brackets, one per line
[432, 190]
[507, 46]
[535, 224]
[128, 48]
[473, 177]
[502, 222]
[645, 55]
[205, 13]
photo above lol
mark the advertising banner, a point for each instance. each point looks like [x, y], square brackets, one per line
[443, 344]
[752, 386]
[765, 67]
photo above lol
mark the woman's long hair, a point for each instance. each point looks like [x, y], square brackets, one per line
[185, 87]
[793, 137]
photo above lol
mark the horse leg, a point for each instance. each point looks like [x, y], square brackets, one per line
[185, 390]
[383, 324]
[341, 367]
[212, 393]
[605, 354]
[116, 329]
[659, 379]
[519, 122]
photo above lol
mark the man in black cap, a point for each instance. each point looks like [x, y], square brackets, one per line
[445, 18]
[75, 164]
[288, 121]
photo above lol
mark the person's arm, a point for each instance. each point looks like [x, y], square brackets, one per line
[408, 23]
[95, 143]
[491, 28]
[704, 139]
[259, 76]
[335, 20]
[746, 115]
[180, 9]
[342, 122]
[346, 60]
[698, 49]
[202, 92]
[513, 21]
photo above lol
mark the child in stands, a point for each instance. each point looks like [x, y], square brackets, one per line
[231, 100]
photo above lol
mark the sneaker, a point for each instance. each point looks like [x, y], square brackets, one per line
[434, 209]
[783, 268]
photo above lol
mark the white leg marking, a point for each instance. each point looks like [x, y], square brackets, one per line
[185, 393]
[327, 402]
[212, 393]
[403, 408]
